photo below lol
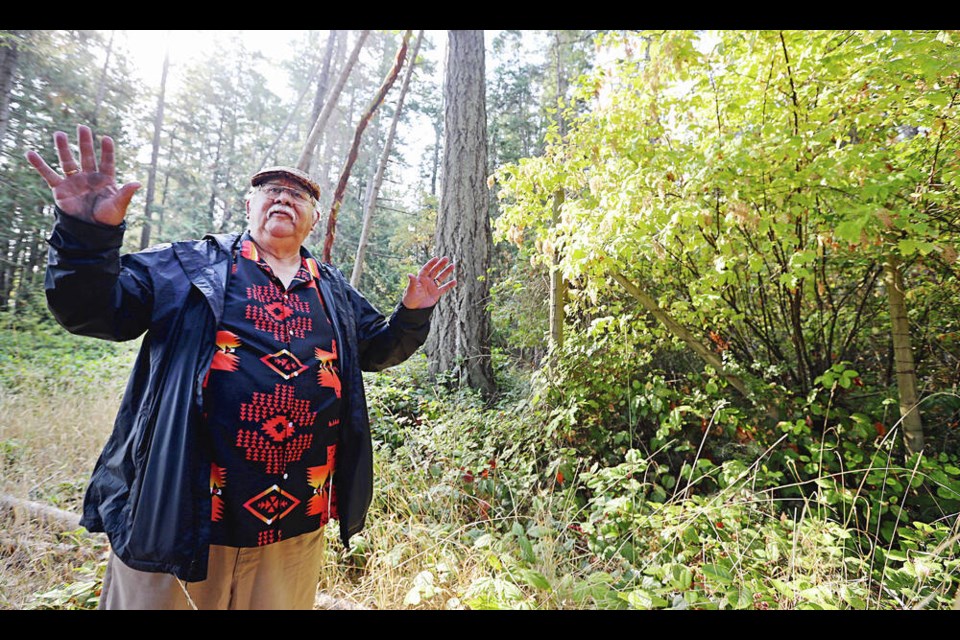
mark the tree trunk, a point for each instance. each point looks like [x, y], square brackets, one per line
[293, 112]
[102, 85]
[459, 340]
[558, 286]
[370, 203]
[320, 159]
[30, 266]
[435, 165]
[355, 147]
[319, 96]
[34, 511]
[216, 170]
[9, 54]
[12, 262]
[303, 163]
[154, 154]
[903, 358]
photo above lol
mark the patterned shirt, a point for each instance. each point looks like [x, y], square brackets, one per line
[271, 405]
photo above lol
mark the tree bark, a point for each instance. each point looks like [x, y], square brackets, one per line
[459, 340]
[154, 155]
[322, 67]
[370, 203]
[303, 163]
[355, 147]
[903, 364]
[216, 170]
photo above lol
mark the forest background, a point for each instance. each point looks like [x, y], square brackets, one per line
[720, 296]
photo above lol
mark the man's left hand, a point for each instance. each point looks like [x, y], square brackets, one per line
[429, 285]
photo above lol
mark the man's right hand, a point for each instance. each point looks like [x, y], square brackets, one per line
[86, 191]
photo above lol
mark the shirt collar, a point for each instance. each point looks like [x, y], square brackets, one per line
[309, 269]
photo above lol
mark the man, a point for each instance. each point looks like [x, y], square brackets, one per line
[244, 425]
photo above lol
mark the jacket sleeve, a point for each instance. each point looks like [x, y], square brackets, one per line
[90, 289]
[384, 342]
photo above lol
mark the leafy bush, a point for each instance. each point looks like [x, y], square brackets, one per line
[740, 548]
[490, 456]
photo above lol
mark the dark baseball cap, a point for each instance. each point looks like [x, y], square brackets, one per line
[286, 172]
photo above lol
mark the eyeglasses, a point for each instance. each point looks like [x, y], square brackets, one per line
[274, 191]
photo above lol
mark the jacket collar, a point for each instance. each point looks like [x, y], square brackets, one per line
[207, 265]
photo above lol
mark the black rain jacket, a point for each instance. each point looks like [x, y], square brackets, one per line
[150, 488]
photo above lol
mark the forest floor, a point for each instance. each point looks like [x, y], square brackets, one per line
[473, 510]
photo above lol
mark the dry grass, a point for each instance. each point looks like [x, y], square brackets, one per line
[49, 442]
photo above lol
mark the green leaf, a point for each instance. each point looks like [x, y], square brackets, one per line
[849, 230]
[785, 589]
[535, 579]
[643, 599]
[740, 598]
[526, 548]
[716, 573]
[681, 577]
[947, 494]
[907, 246]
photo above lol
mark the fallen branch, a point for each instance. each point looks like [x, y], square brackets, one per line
[37, 511]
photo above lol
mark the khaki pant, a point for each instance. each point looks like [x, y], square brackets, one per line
[283, 575]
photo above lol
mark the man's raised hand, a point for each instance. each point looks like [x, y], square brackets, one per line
[430, 283]
[85, 190]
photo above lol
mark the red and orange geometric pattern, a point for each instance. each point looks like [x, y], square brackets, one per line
[271, 504]
[274, 313]
[218, 480]
[284, 363]
[225, 359]
[320, 479]
[273, 456]
[267, 405]
[277, 441]
[327, 373]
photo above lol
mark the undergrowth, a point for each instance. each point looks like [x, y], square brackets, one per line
[491, 505]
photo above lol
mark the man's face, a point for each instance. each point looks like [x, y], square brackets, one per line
[276, 213]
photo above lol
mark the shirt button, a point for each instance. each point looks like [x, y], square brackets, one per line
[285, 476]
